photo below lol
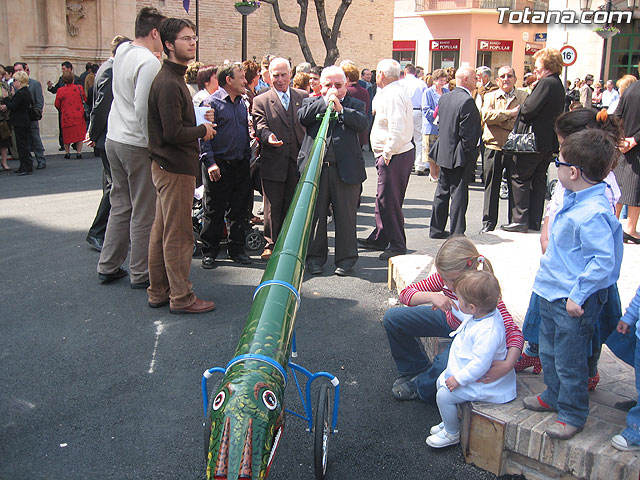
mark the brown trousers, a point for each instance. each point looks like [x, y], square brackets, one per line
[171, 240]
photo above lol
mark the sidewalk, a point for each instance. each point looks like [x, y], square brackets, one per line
[505, 439]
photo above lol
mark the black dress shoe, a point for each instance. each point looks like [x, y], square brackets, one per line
[314, 269]
[388, 253]
[370, 244]
[96, 243]
[440, 235]
[61, 149]
[22, 174]
[208, 262]
[486, 229]
[67, 156]
[342, 272]
[110, 277]
[515, 227]
[140, 285]
[241, 258]
[41, 167]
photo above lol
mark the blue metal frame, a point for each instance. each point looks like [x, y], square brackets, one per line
[304, 398]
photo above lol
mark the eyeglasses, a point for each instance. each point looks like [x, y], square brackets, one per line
[188, 38]
[558, 163]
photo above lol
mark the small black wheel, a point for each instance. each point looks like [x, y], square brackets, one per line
[504, 190]
[321, 432]
[254, 241]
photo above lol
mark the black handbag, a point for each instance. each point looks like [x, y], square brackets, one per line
[34, 114]
[520, 143]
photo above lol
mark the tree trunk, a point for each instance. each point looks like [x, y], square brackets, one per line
[330, 36]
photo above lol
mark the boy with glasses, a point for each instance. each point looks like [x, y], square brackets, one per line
[582, 259]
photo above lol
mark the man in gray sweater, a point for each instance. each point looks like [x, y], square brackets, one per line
[132, 195]
[173, 144]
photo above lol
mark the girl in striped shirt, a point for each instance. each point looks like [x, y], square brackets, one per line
[431, 301]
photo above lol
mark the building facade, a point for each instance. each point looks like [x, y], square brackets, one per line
[44, 33]
[453, 33]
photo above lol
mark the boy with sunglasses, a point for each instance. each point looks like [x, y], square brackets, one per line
[582, 259]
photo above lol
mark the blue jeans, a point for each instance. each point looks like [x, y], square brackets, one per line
[632, 432]
[564, 348]
[603, 328]
[403, 325]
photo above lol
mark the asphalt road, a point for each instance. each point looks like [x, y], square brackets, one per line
[94, 384]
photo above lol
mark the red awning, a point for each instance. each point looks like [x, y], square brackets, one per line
[404, 45]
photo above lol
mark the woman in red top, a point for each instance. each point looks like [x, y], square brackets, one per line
[429, 315]
[70, 101]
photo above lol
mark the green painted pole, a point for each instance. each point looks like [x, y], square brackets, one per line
[247, 412]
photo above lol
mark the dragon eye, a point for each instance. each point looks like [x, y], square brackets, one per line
[269, 399]
[219, 400]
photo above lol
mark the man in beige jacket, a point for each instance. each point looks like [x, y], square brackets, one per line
[499, 112]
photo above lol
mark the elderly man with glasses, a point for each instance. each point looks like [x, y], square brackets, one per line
[499, 113]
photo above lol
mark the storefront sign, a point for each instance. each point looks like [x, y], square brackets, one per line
[495, 45]
[531, 48]
[444, 45]
[404, 45]
[541, 37]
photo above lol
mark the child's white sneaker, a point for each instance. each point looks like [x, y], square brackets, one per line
[443, 439]
[436, 428]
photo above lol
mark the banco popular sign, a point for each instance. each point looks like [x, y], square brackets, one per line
[495, 45]
[444, 45]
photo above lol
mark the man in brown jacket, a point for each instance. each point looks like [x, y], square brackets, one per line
[173, 146]
[275, 118]
[499, 113]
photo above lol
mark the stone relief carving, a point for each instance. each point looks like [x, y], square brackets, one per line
[75, 11]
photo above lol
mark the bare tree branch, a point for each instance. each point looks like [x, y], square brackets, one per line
[330, 35]
[300, 30]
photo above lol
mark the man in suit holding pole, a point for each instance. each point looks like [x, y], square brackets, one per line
[342, 170]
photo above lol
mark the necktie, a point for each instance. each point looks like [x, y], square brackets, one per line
[285, 101]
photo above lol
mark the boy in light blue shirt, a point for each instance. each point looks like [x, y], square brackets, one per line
[583, 258]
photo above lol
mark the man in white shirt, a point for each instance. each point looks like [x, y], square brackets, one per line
[391, 136]
[132, 195]
[610, 95]
[415, 88]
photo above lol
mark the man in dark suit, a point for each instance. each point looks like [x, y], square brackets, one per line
[96, 138]
[342, 170]
[275, 119]
[455, 151]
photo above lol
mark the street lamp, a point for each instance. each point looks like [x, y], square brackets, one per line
[609, 6]
[245, 9]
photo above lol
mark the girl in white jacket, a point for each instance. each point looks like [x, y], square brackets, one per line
[478, 342]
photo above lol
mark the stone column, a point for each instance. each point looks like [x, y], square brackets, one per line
[56, 23]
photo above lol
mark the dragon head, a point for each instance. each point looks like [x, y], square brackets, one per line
[247, 418]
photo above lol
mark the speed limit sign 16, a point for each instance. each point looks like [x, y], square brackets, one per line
[569, 55]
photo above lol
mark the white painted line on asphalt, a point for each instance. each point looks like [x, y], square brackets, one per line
[159, 329]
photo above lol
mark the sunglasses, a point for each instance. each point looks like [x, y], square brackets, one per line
[558, 163]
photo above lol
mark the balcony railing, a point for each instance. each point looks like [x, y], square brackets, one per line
[431, 5]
